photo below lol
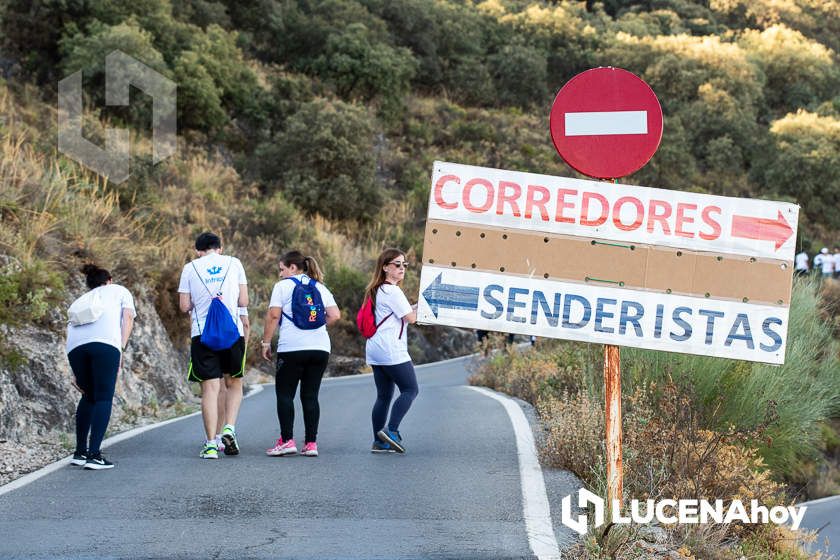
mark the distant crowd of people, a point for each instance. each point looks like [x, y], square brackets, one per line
[213, 292]
[826, 264]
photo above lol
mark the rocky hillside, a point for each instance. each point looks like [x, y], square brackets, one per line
[38, 403]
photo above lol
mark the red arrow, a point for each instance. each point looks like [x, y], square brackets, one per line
[763, 229]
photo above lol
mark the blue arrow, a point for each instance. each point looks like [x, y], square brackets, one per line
[439, 295]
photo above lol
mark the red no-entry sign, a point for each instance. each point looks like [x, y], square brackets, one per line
[606, 123]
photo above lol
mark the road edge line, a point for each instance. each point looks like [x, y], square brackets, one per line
[818, 501]
[52, 467]
[416, 367]
[535, 506]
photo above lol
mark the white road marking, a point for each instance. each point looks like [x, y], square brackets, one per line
[605, 123]
[535, 506]
[52, 467]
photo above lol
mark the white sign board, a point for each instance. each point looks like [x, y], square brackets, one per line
[656, 321]
[576, 207]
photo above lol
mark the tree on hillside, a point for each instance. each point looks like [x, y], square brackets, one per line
[324, 161]
[804, 164]
[800, 73]
[361, 69]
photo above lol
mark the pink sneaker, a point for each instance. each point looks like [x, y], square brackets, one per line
[282, 448]
[310, 449]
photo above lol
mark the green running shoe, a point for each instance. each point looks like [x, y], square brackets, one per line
[210, 451]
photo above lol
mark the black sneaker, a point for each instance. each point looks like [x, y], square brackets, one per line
[98, 463]
[229, 439]
[79, 459]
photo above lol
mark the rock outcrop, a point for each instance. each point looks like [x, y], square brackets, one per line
[36, 397]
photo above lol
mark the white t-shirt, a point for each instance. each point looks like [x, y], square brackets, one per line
[827, 263]
[802, 261]
[836, 259]
[292, 338]
[211, 269]
[108, 328]
[387, 347]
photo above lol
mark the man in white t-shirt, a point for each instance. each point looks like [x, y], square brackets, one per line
[209, 276]
[824, 263]
[801, 267]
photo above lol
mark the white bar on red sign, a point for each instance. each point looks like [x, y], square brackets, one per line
[603, 210]
[604, 123]
[602, 314]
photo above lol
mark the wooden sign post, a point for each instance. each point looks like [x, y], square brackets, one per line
[612, 419]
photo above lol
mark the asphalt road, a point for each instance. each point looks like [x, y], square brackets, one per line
[824, 515]
[457, 493]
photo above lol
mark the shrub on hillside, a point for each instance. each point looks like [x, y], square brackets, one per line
[362, 69]
[520, 75]
[325, 159]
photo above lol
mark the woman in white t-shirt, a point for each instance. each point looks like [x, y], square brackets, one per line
[302, 354]
[387, 351]
[94, 350]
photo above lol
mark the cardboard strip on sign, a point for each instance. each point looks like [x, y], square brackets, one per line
[558, 257]
[623, 213]
[600, 314]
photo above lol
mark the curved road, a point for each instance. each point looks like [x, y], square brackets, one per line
[823, 515]
[457, 493]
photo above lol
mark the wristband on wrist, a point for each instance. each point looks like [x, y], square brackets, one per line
[264, 343]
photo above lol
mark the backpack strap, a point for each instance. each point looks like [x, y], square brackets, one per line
[195, 312]
[205, 285]
[297, 283]
[382, 322]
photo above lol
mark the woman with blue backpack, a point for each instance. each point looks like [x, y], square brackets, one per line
[382, 319]
[303, 307]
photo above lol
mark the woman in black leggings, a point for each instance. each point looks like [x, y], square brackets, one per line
[303, 348]
[387, 351]
[100, 324]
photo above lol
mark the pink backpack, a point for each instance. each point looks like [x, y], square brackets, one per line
[366, 320]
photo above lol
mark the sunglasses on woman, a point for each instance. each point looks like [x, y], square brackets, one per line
[399, 264]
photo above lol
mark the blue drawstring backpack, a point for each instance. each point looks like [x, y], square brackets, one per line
[220, 331]
[307, 306]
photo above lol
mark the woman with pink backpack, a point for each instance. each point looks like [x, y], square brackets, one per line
[382, 319]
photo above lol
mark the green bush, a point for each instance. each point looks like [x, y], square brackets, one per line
[348, 286]
[28, 293]
[520, 75]
[325, 160]
[788, 402]
[362, 69]
[803, 163]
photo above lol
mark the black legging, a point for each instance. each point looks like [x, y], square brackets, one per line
[95, 367]
[307, 368]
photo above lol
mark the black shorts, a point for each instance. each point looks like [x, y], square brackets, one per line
[213, 364]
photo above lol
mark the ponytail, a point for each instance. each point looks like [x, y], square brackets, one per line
[311, 269]
[307, 265]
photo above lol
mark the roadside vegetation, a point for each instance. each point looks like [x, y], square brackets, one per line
[694, 427]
